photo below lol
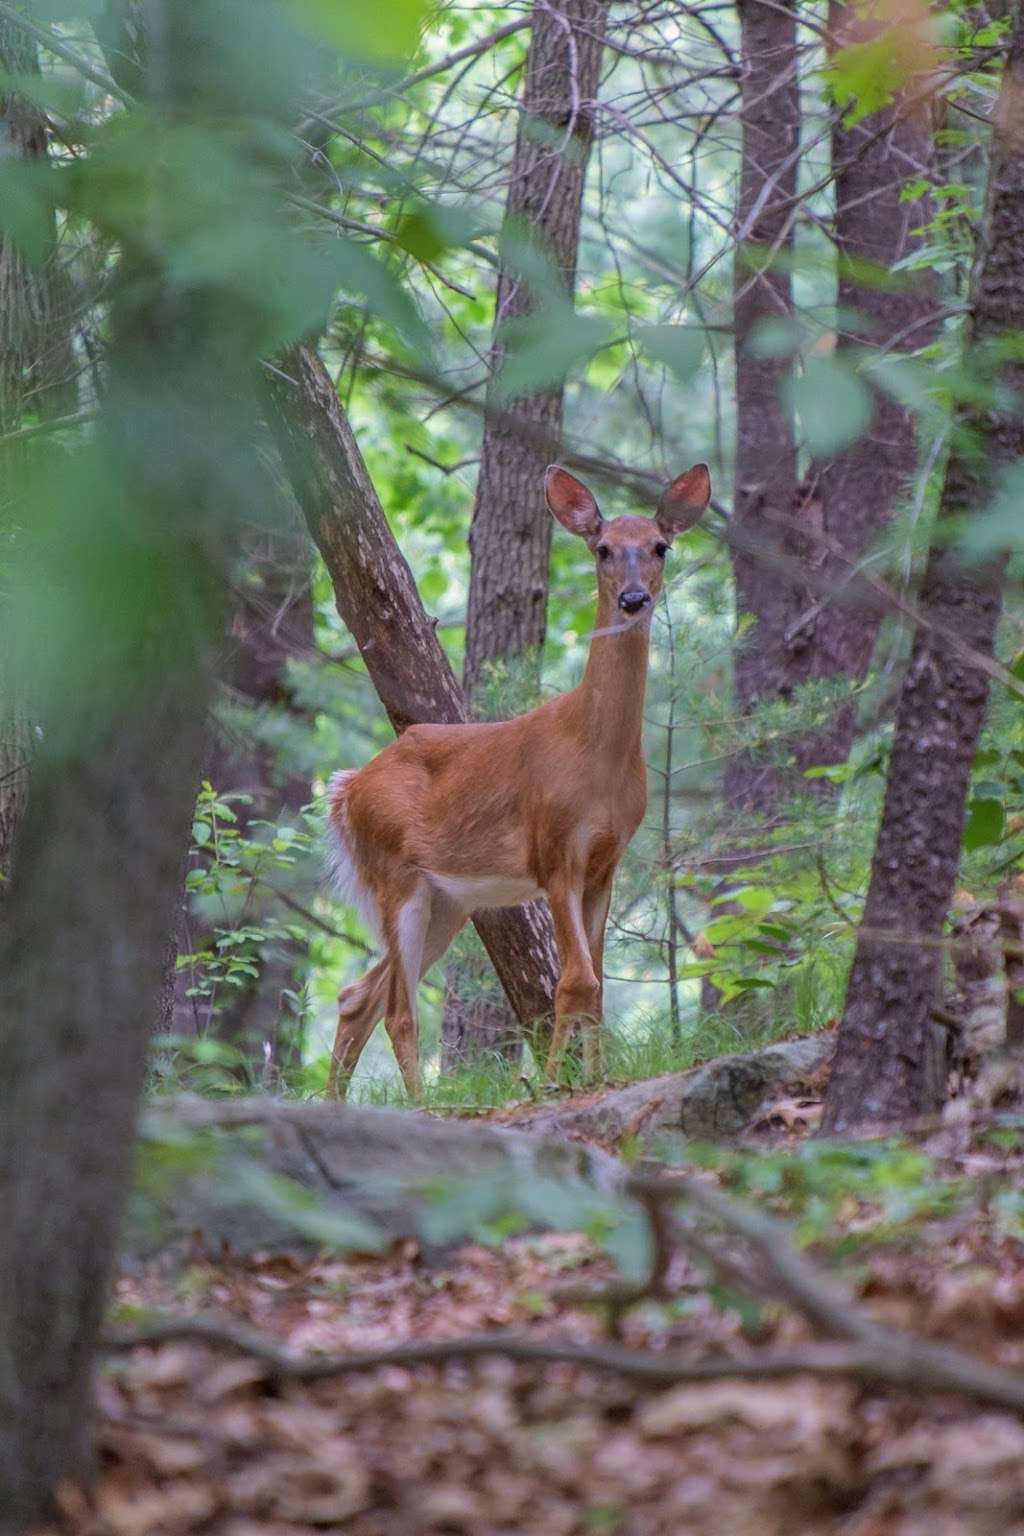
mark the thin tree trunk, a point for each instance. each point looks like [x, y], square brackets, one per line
[510, 533]
[766, 465]
[858, 489]
[883, 1069]
[36, 374]
[381, 607]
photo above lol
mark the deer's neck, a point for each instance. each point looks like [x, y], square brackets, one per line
[615, 681]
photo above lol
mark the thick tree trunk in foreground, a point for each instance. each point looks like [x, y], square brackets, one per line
[765, 493]
[83, 946]
[122, 607]
[99, 853]
[858, 488]
[510, 534]
[510, 537]
[381, 607]
[882, 1073]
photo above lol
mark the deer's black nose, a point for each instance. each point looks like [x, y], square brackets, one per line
[632, 602]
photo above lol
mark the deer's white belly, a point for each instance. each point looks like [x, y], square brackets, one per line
[472, 891]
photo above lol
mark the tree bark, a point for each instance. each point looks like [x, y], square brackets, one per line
[858, 488]
[766, 463]
[381, 607]
[781, 533]
[271, 622]
[510, 535]
[883, 1072]
[510, 532]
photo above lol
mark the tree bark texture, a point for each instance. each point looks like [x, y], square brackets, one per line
[766, 462]
[510, 536]
[82, 958]
[881, 1073]
[37, 376]
[510, 531]
[379, 604]
[857, 489]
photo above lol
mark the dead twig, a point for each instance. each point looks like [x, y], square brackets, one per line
[900, 1362]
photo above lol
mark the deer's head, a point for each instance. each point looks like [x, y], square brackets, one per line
[630, 551]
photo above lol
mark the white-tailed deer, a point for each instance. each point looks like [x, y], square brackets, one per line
[449, 818]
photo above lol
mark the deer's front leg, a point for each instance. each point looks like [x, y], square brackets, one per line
[596, 902]
[578, 994]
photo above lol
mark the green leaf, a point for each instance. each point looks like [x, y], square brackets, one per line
[387, 30]
[985, 822]
[679, 347]
[865, 76]
[1001, 525]
[544, 347]
[429, 230]
[26, 207]
[773, 337]
[834, 404]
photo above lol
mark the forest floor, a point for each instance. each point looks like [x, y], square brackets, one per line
[924, 1232]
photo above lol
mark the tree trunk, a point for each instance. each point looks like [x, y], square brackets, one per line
[36, 374]
[883, 1072]
[765, 467]
[859, 487]
[129, 574]
[510, 536]
[788, 529]
[381, 607]
[271, 622]
[510, 533]
[82, 958]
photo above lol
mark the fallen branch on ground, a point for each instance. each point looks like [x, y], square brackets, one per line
[867, 1351]
[903, 1362]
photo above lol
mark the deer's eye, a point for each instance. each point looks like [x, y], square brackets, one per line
[661, 550]
[604, 552]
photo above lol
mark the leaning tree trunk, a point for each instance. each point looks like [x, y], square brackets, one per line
[36, 374]
[883, 1069]
[510, 533]
[858, 489]
[765, 489]
[381, 607]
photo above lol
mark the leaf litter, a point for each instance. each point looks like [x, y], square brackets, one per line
[193, 1441]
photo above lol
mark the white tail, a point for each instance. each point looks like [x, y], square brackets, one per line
[342, 870]
[449, 818]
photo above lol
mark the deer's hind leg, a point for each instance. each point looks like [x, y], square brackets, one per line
[360, 1005]
[423, 928]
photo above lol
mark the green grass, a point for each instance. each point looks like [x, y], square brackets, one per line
[629, 1057]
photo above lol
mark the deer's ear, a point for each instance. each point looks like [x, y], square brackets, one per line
[684, 502]
[571, 503]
